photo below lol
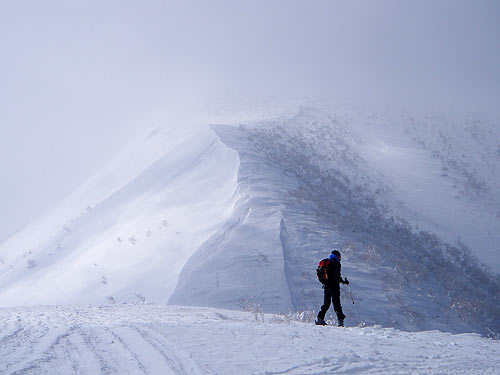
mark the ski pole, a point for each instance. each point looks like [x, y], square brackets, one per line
[355, 307]
[350, 293]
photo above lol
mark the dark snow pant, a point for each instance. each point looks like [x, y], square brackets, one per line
[332, 295]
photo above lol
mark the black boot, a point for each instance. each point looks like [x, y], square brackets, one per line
[341, 322]
[320, 322]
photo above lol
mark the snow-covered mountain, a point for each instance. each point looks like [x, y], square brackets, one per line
[240, 214]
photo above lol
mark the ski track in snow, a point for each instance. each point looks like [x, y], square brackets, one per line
[145, 339]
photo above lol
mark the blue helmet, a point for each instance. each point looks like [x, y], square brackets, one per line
[335, 255]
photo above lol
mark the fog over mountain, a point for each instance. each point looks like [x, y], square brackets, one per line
[235, 216]
[227, 215]
[173, 172]
[80, 80]
[417, 139]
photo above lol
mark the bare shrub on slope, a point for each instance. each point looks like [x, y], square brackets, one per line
[334, 180]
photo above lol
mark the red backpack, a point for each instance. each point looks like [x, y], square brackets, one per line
[321, 270]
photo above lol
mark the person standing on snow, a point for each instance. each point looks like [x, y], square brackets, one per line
[331, 279]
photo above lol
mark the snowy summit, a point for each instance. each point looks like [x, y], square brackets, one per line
[237, 217]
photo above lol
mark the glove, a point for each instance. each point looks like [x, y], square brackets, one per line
[346, 282]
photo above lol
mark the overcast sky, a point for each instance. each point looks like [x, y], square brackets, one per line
[79, 78]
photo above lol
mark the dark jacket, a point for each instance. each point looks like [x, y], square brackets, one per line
[333, 271]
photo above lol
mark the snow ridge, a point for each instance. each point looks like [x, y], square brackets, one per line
[236, 216]
[132, 244]
[402, 277]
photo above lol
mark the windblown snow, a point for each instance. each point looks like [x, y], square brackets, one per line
[137, 339]
[131, 237]
[237, 217]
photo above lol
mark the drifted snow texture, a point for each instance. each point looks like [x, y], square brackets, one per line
[130, 240]
[152, 340]
[303, 198]
[236, 216]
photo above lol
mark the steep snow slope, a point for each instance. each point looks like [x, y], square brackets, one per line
[307, 185]
[445, 171]
[142, 222]
[152, 340]
[248, 250]
[231, 216]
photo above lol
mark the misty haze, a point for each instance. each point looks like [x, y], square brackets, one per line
[173, 172]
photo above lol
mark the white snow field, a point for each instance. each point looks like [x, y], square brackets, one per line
[238, 216]
[128, 232]
[153, 340]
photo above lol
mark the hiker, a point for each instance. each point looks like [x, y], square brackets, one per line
[329, 275]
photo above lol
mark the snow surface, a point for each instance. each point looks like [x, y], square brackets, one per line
[133, 234]
[142, 339]
[231, 216]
